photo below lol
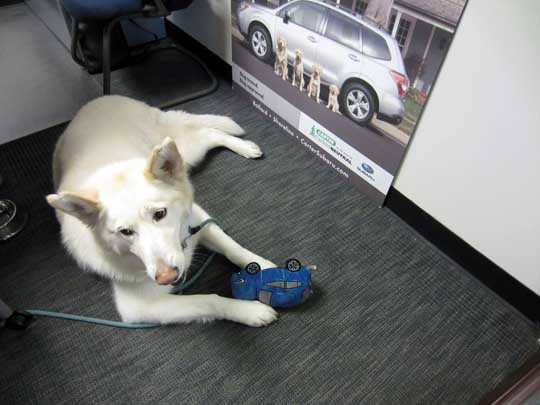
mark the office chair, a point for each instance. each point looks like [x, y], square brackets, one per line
[98, 43]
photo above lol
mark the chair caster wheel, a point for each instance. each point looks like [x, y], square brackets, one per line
[19, 320]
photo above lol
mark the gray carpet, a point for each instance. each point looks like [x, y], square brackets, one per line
[392, 321]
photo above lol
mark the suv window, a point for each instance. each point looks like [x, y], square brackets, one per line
[374, 45]
[344, 30]
[307, 15]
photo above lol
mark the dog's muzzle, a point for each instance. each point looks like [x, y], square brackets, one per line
[165, 274]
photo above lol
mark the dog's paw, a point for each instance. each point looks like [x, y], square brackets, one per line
[249, 150]
[255, 314]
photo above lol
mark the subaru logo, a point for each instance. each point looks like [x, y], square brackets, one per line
[367, 168]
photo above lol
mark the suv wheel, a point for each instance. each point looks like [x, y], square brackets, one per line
[260, 42]
[358, 103]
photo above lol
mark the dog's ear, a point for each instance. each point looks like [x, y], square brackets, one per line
[83, 205]
[165, 162]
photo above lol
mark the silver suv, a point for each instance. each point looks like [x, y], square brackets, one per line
[364, 61]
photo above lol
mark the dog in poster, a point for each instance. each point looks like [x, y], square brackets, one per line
[280, 66]
[298, 70]
[314, 86]
[333, 103]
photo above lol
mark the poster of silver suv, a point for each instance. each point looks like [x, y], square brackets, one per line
[347, 78]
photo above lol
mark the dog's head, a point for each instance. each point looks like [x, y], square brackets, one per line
[298, 56]
[334, 90]
[317, 70]
[281, 43]
[138, 207]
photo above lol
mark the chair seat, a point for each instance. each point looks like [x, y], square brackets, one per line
[92, 10]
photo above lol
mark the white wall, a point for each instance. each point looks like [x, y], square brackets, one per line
[474, 161]
[208, 21]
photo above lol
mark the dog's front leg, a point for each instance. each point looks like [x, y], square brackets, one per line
[149, 302]
[213, 237]
[285, 71]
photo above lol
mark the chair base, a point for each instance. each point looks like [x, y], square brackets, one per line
[151, 48]
[163, 74]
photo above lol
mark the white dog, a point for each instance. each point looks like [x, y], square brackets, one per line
[314, 85]
[124, 206]
[333, 103]
[298, 70]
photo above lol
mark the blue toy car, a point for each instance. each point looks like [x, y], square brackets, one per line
[283, 287]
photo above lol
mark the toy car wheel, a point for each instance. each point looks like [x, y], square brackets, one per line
[253, 268]
[293, 265]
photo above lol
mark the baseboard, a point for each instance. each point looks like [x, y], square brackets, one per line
[489, 273]
[518, 387]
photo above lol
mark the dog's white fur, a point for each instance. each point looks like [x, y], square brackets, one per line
[314, 85]
[280, 65]
[298, 69]
[110, 177]
[333, 103]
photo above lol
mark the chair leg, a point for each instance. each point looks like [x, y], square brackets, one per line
[106, 61]
[14, 319]
[5, 311]
[106, 56]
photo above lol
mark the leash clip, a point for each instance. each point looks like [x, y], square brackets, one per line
[196, 229]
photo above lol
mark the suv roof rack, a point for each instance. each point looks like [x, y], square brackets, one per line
[347, 10]
[342, 8]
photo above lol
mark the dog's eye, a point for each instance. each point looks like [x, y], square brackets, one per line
[160, 214]
[127, 231]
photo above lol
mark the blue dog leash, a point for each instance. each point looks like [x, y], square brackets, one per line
[181, 286]
[192, 231]
[89, 319]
